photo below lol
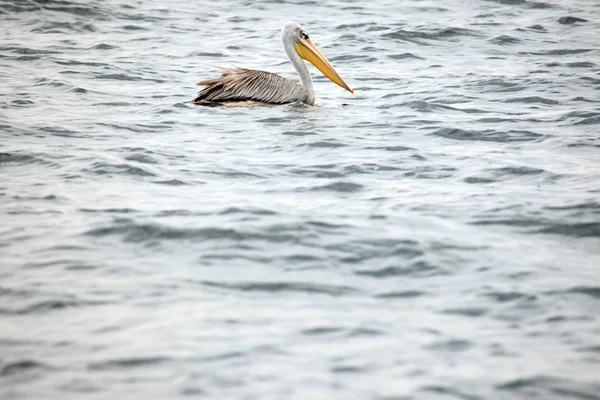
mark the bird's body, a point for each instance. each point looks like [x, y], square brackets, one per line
[240, 86]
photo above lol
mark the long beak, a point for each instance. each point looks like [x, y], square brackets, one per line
[309, 51]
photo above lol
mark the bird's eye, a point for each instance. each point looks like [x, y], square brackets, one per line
[304, 35]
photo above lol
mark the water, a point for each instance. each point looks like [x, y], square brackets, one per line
[434, 236]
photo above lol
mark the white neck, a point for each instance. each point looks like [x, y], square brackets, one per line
[300, 68]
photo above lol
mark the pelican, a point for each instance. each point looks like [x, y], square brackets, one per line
[240, 86]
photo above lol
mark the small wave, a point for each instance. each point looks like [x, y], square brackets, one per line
[536, 28]
[391, 148]
[477, 180]
[516, 222]
[404, 56]
[591, 349]
[302, 258]
[549, 387]
[378, 79]
[114, 104]
[363, 251]
[422, 37]
[498, 85]
[65, 27]
[507, 297]
[18, 7]
[345, 187]
[171, 182]
[318, 173]
[64, 6]
[365, 331]
[277, 287]
[109, 210]
[420, 105]
[24, 302]
[84, 63]
[569, 20]
[116, 77]
[464, 110]
[41, 307]
[61, 131]
[207, 54]
[451, 345]
[21, 103]
[24, 366]
[581, 64]
[582, 229]
[232, 173]
[142, 232]
[539, 5]
[134, 28]
[418, 268]
[322, 330]
[49, 82]
[560, 52]
[325, 144]
[589, 121]
[582, 117]
[298, 133]
[526, 3]
[488, 135]
[349, 57]
[251, 211]
[592, 205]
[273, 120]
[19, 158]
[349, 369]
[28, 51]
[447, 392]
[515, 171]
[141, 158]
[532, 99]
[466, 311]
[354, 26]
[103, 168]
[579, 230]
[128, 363]
[103, 46]
[505, 40]
[591, 80]
[403, 294]
[592, 291]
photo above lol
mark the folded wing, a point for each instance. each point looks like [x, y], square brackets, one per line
[240, 84]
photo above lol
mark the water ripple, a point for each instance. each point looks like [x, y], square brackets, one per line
[331, 290]
[488, 135]
[401, 242]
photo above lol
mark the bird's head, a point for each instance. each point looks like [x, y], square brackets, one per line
[294, 35]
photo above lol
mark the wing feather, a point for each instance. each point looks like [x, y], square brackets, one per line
[240, 84]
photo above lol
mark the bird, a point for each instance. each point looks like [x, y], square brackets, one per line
[243, 87]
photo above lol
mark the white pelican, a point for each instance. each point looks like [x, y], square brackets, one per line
[240, 86]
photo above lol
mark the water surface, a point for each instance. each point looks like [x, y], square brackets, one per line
[434, 236]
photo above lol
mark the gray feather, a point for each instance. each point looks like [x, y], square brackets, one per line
[240, 84]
